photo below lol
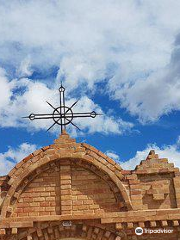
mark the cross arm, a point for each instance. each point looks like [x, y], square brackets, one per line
[88, 114]
[33, 116]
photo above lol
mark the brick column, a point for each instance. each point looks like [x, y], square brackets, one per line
[177, 189]
[58, 190]
[65, 187]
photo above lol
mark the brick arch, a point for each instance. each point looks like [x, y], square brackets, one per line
[106, 179]
[78, 231]
[64, 147]
[79, 169]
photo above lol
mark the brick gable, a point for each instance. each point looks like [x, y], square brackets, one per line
[71, 189]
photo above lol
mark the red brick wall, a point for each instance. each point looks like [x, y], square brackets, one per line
[65, 189]
[39, 197]
[90, 193]
[85, 181]
[158, 192]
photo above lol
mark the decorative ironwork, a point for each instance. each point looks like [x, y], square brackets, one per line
[62, 115]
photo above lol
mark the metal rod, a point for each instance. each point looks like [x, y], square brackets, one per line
[75, 126]
[60, 109]
[64, 109]
[62, 115]
[72, 106]
[58, 114]
[51, 105]
[50, 127]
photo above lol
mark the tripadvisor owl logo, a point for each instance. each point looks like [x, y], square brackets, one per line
[138, 231]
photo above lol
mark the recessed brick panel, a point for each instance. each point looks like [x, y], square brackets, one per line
[90, 193]
[39, 197]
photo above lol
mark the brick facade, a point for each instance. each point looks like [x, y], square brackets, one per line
[72, 190]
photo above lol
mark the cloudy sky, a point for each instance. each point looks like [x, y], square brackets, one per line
[119, 58]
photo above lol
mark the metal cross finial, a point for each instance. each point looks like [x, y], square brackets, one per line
[62, 115]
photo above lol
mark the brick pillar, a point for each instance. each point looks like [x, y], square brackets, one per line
[65, 187]
[58, 190]
[177, 189]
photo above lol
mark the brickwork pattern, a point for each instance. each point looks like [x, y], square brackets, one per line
[90, 194]
[39, 196]
[65, 188]
[56, 231]
[69, 181]
[152, 184]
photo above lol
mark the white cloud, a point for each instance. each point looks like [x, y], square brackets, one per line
[172, 152]
[104, 123]
[24, 96]
[112, 155]
[14, 155]
[131, 42]
[154, 96]
[5, 89]
[25, 68]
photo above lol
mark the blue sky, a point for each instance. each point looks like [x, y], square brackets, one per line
[119, 58]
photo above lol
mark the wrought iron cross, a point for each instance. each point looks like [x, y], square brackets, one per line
[62, 115]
